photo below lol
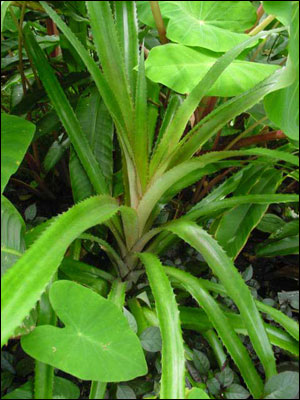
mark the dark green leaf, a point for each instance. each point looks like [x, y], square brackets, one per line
[16, 136]
[201, 362]
[151, 339]
[282, 386]
[236, 391]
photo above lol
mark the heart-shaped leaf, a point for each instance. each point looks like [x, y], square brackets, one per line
[281, 9]
[96, 342]
[181, 69]
[197, 393]
[16, 135]
[213, 25]
[282, 106]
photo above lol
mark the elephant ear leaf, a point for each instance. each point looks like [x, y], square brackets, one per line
[282, 106]
[16, 136]
[97, 337]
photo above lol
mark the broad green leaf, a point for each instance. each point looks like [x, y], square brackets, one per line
[181, 68]
[281, 9]
[97, 338]
[4, 7]
[284, 385]
[173, 369]
[236, 225]
[62, 389]
[65, 113]
[282, 106]
[281, 247]
[226, 112]
[215, 26]
[23, 284]
[220, 322]
[223, 267]
[171, 138]
[197, 393]
[12, 237]
[16, 136]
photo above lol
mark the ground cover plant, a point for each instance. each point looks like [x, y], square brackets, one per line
[143, 144]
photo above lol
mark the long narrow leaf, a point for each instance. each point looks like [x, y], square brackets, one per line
[101, 83]
[236, 288]
[195, 319]
[127, 29]
[171, 177]
[290, 325]
[236, 225]
[219, 205]
[24, 283]
[219, 117]
[176, 128]
[141, 120]
[66, 113]
[173, 370]
[109, 51]
[220, 322]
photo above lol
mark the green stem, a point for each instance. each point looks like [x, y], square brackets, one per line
[75, 249]
[262, 25]
[159, 21]
[44, 374]
[97, 390]
[138, 314]
[19, 26]
[43, 381]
